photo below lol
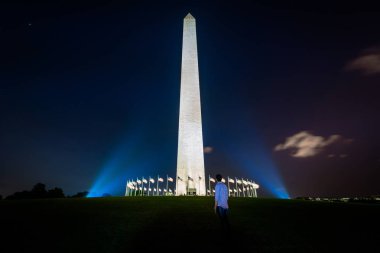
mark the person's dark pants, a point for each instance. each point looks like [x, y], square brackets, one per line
[223, 216]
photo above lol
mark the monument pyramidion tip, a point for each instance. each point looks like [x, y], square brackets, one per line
[189, 16]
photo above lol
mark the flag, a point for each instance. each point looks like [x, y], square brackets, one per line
[231, 180]
[223, 180]
[170, 179]
[139, 181]
[144, 181]
[189, 178]
[238, 181]
[160, 179]
[151, 180]
[244, 182]
[212, 180]
[179, 178]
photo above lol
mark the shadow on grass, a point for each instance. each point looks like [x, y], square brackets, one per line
[185, 224]
[192, 225]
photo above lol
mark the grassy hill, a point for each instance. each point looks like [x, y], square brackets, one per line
[171, 224]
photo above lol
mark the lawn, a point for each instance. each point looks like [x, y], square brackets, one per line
[141, 224]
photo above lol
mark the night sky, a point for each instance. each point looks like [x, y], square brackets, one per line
[89, 94]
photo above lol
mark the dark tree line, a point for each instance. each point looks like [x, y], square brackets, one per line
[39, 192]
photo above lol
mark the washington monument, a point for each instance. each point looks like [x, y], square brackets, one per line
[190, 164]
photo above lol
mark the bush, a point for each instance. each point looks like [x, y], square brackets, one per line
[55, 193]
[80, 195]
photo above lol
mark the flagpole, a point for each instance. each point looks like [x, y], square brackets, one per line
[167, 184]
[137, 184]
[139, 187]
[142, 186]
[243, 187]
[254, 189]
[187, 186]
[251, 188]
[248, 190]
[199, 184]
[158, 177]
[209, 184]
[148, 185]
[236, 186]
[129, 189]
[228, 184]
[129, 192]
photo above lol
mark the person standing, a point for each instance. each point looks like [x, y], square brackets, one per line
[221, 203]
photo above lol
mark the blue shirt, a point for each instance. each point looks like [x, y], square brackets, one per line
[221, 195]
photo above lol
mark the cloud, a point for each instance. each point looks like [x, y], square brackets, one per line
[305, 144]
[342, 156]
[368, 63]
[208, 150]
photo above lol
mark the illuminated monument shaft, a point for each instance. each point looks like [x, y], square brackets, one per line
[190, 163]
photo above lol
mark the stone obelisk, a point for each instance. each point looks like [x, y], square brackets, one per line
[190, 163]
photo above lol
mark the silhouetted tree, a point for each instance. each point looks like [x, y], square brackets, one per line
[20, 195]
[55, 193]
[39, 191]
